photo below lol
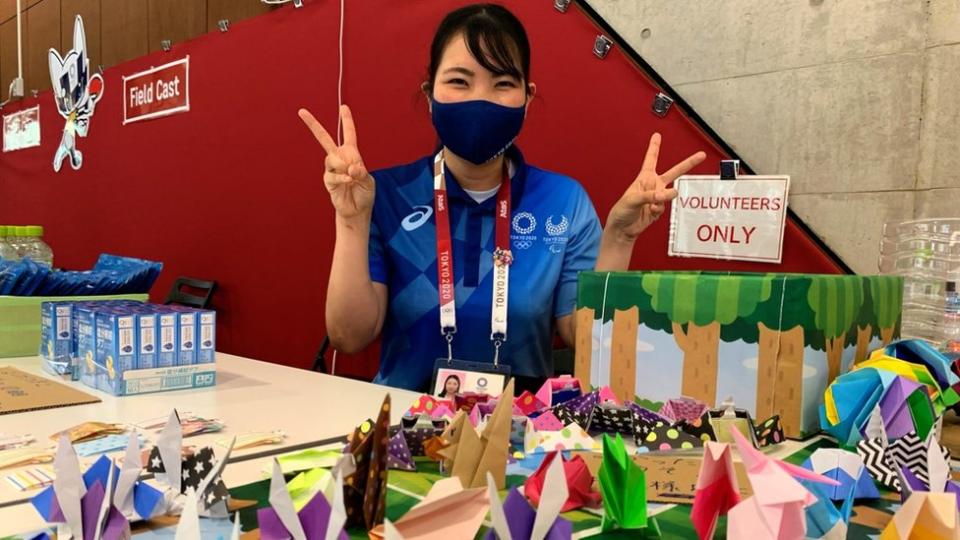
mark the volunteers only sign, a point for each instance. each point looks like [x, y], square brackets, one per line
[740, 219]
[156, 92]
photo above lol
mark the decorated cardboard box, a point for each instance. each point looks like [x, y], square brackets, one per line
[771, 341]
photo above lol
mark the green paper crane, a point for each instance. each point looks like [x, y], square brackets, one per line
[624, 488]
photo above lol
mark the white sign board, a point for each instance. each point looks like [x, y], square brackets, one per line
[740, 219]
[21, 129]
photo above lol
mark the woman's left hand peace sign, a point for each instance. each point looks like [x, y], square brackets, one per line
[644, 201]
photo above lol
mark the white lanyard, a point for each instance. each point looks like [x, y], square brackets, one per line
[502, 258]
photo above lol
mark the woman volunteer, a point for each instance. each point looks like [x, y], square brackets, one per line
[503, 239]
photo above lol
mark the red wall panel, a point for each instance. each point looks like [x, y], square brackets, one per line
[232, 190]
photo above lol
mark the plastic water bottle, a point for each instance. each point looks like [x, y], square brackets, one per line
[16, 236]
[35, 248]
[951, 320]
[7, 251]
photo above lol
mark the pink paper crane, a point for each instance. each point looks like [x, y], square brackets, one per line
[776, 509]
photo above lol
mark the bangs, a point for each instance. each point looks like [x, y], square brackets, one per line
[493, 48]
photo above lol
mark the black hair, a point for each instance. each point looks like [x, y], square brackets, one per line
[494, 36]
[454, 377]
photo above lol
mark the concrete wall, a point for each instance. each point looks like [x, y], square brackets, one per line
[857, 100]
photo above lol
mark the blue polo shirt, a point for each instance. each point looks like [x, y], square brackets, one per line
[555, 234]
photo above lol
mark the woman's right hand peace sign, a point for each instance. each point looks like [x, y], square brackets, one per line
[351, 187]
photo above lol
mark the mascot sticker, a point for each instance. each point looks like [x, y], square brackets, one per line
[76, 93]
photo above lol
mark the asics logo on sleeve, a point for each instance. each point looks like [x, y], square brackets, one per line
[419, 216]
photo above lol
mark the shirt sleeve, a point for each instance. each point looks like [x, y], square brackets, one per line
[376, 247]
[580, 254]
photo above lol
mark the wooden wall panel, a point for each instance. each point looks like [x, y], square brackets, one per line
[90, 11]
[44, 22]
[8, 8]
[123, 30]
[233, 11]
[8, 48]
[176, 20]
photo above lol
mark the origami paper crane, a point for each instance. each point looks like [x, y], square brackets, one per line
[824, 520]
[212, 492]
[571, 437]
[134, 499]
[82, 512]
[398, 454]
[872, 449]
[515, 518]
[559, 390]
[188, 528]
[318, 519]
[938, 480]
[199, 471]
[578, 482]
[365, 491]
[624, 488]
[776, 509]
[683, 408]
[448, 511]
[166, 457]
[848, 469]
[307, 484]
[930, 516]
[717, 490]
[912, 453]
[469, 455]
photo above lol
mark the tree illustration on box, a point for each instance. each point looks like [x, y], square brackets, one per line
[623, 307]
[836, 303]
[887, 294]
[867, 327]
[698, 305]
[783, 314]
[777, 327]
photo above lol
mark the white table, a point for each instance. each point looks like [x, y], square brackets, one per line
[250, 396]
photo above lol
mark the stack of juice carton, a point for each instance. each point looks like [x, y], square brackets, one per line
[126, 347]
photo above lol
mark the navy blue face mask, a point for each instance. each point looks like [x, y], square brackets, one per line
[477, 131]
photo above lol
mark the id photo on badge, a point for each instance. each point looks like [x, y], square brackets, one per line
[450, 382]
